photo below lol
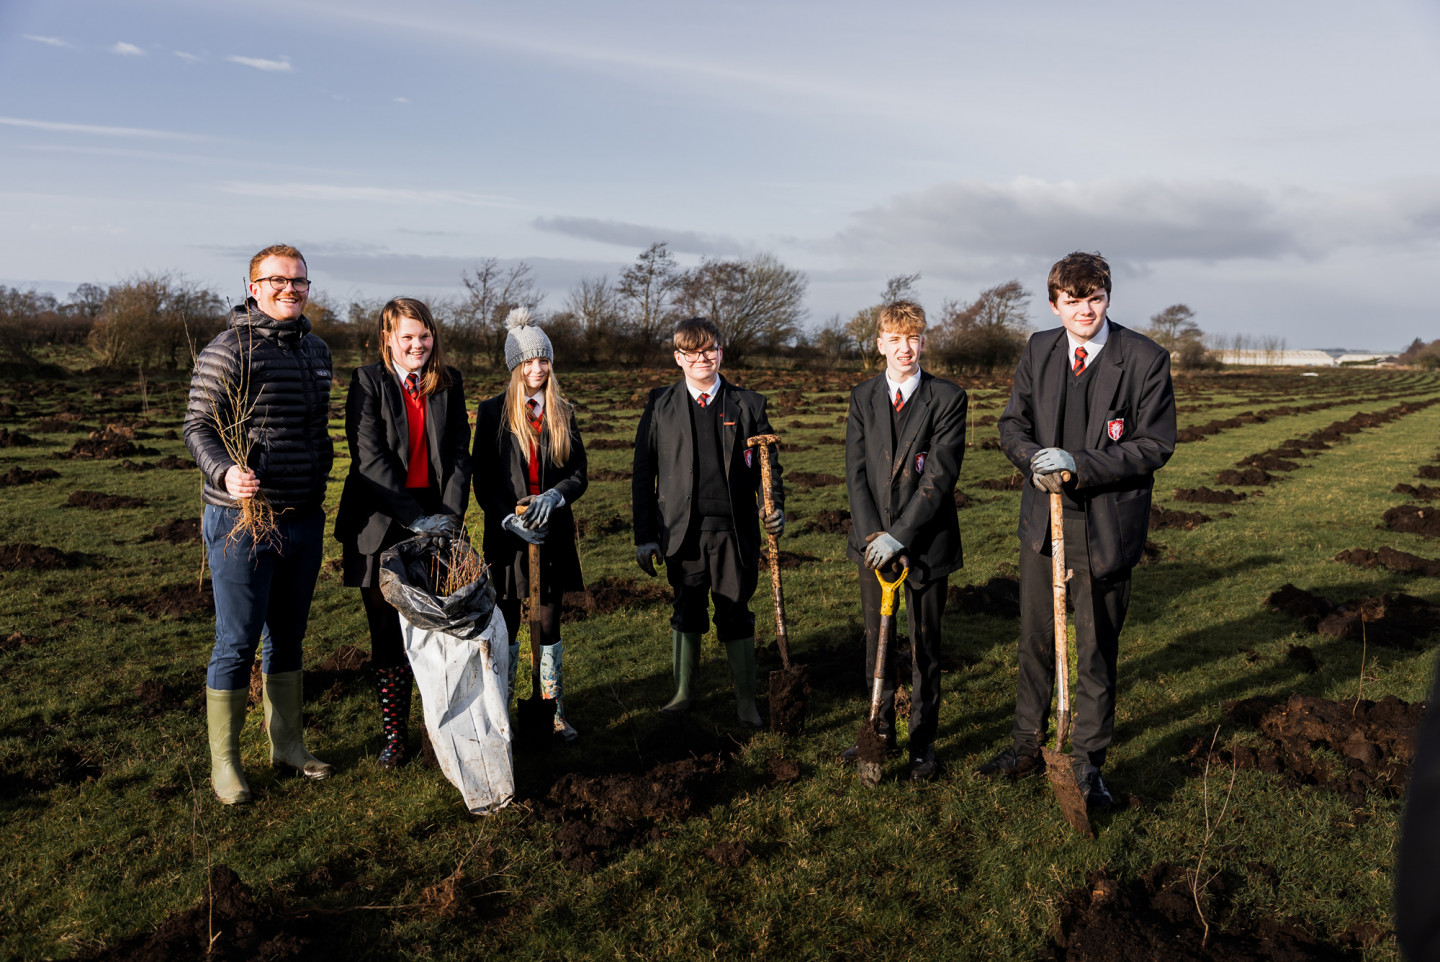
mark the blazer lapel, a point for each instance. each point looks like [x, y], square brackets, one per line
[1107, 381]
[395, 414]
[1049, 388]
[919, 403]
[435, 409]
[671, 411]
[880, 408]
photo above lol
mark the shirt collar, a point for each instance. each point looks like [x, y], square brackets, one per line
[539, 398]
[711, 392]
[1092, 346]
[905, 388]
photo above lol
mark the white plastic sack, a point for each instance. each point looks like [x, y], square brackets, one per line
[463, 687]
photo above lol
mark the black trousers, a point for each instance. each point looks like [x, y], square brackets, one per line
[708, 564]
[924, 604]
[549, 619]
[1100, 605]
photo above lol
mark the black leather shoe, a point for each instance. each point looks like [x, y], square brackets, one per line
[1097, 796]
[1012, 764]
[852, 754]
[923, 768]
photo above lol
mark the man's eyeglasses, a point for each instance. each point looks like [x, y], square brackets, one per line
[277, 283]
[709, 354]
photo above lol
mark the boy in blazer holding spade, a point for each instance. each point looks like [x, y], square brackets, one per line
[904, 443]
[1093, 399]
[696, 494]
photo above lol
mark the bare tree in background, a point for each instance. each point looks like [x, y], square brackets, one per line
[758, 304]
[598, 311]
[987, 333]
[151, 318]
[1171, 325]
[477, 328]
[864, 326]
[648, 288]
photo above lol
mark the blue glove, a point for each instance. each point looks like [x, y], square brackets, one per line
[881, 551]
[775, 523]
[515, 526]
[537, 512]
[646, 555]
[436, 525]
[1052, 461]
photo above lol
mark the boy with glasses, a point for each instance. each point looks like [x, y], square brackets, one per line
[696, 495]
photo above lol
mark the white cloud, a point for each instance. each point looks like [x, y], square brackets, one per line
[127, 50]
[639, 236]
[400, 100]
[59, 127]
[49, 41]
[260, 64]
[187, 57]
[375, 195]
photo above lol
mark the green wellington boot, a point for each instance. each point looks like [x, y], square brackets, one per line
[283, 693]
[225, 712]
[742, 667]
[685, 662]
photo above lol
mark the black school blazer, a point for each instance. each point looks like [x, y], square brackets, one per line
[378, 432]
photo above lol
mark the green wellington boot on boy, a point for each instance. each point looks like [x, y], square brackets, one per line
[685, 663]
[742, 667]
[225, 713]
[283, 694]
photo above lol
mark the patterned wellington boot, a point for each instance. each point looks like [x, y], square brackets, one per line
[393, 687]
[552, 685]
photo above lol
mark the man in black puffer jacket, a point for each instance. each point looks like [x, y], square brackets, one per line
[257, 426]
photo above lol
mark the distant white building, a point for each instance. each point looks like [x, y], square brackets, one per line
[1277, 358]
[1364, 358]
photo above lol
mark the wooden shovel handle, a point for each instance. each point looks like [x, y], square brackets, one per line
[1058, 576]
[534, 579]
[772, 548]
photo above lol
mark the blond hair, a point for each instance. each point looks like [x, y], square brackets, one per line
[556, 416]
[275, 250]
[902, 317]
[434, 375]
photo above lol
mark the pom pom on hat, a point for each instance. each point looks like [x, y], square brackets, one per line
[525, 339]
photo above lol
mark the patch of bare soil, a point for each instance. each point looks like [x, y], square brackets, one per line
[1421, 491]
[179, 531]
[17, 476]
[1204, 495]
[156, 697]
[1015, 482]
[607, 474]
[227, 926]
[16, 640]
[830, 521]
[1154, 917]
[1161, 518]
[1391, 559]
[962, 500]
[171, 463]
[36, 557]
[46, 771]
[14, 439]
[1372, 742]
[605, 595]
[782, 770]
[1394, 620]
[998, 597]
[1248, 478]
[175, 601]
[803, 480]
[600, 527]
[609, 444]
[789, 691]
[99, 501]
[788, 559]
[599, 813]
[1266, 462]
[105, 448]
[728, 854]
[1301, 604]
[65, 424]
[1413, 519]
[1429, 472]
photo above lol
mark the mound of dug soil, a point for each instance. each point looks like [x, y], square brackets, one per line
[1184, 520]
[1248, 478]
[1391, 559]
[803, 480]
[1422, 491]
[1015, 482]
[611, 594]
[1373, 739]
[241, 929]
[1413, 519]
[1204, 495]
[600, 527]
[1430, 472]
[14, 439]
[104, 448]
[37, 557]
[16, 476]
[99, 501]
[788, 559]
[606, 474]
[998, 597]
[610, 444]
[178, 531]
[172, 463]
[830, 521]
[1395, 620]
[175, 601]
[156, 697]
[1266, 462]
[1154, 917]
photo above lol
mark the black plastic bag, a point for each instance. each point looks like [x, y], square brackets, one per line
[405, 582]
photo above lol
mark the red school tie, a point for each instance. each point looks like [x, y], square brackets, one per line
[899, 399]
[412, 386]
[534, 421]
[704, 395]
[1079, 360]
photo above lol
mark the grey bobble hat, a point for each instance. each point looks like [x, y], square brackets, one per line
[525, 339]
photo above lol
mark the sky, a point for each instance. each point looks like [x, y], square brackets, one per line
[1272, 165]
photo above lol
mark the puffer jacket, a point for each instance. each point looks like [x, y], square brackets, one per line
[284, 371]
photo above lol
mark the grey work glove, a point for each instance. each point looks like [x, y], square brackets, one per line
[775, 522]
[646, 555]
[436, 525]
[1052, 461]
[881, 550]
[1049, 483]
[537, 512]
[515, 526]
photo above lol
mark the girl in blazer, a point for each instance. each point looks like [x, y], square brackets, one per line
[529, 438]
[409, 474]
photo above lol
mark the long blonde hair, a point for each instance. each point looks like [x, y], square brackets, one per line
[556, 416]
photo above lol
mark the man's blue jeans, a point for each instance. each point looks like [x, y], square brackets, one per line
[261, 592]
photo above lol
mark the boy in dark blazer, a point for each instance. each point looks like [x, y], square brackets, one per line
[696, 495]
[904, 444]
[1094, 399]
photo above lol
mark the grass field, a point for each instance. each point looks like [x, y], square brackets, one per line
[773, 849]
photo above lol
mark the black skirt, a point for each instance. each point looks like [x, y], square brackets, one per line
[363, 570]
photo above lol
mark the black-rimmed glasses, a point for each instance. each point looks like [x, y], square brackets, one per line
[277, 283]
[709, 354]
